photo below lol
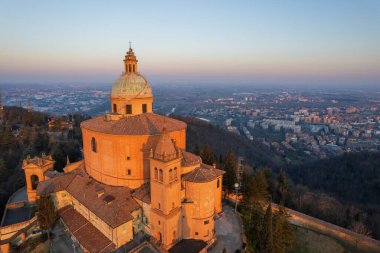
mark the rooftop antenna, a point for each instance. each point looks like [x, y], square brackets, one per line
[130, 45]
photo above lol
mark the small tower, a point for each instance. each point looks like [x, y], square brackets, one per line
[165, 183]
[34, 169]
[130, 61]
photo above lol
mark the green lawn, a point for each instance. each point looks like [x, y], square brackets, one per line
[308, 241]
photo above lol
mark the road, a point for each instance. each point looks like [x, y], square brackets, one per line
[228, 230]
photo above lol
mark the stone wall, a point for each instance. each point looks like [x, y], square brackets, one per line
[353, 239]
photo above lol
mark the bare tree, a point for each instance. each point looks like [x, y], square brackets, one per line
[360, 228]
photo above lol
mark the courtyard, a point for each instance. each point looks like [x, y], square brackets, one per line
[228, 230]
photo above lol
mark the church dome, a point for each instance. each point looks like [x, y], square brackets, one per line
[131, 85]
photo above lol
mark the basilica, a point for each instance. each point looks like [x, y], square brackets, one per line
[136, 178]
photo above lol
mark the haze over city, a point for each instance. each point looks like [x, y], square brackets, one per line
[299, 43]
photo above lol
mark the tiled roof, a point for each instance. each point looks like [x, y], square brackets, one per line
[115, 212]
[87, 234]
[143, 193]
[165, 149]
[188, 246]
[114, 207]
[203, 174]
[55, 184]
[141, 124]
[189, 159]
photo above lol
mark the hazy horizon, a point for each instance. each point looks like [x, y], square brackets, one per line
[287, 43]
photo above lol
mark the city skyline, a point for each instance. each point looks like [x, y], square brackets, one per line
[292, 42]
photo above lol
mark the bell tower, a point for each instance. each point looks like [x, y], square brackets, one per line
[165, 183]
[34, 169]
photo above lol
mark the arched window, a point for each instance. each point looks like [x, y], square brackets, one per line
[218, 183]
[144, 108]
[93, 144]
[161, 176]
[155, 173]
[159, 236]
[130, 68]
[134, 68]
[34, 180]
[114, 108]
[170, 175]
[175, 173]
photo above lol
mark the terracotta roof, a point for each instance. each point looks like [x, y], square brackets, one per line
[73, 220]
[143, 193]
[141, 124]
[114, 212]
[203, 174]
[87, 234]
[59, 182]
[165, 149]
[189, 159]
[114, 207]
[188, 246]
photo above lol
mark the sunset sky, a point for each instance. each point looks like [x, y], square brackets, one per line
[326, 42]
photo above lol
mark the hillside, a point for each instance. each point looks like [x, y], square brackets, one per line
[343, 190]
[352, 182]
[201, 133]
[352, 177]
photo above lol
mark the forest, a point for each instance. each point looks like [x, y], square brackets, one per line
[24, 133]
[348, 185]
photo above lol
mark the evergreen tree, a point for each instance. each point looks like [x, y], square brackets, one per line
[207, 155]
[46, 214]
[282, 232]
[196, 150]
[230, 166]
[6, 138]
[255, 225]
[266, 242]
[282, 186]
[220, 159]
[4, 173]
[257, 190]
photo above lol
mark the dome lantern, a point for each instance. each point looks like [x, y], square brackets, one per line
[130, 61]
